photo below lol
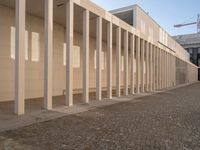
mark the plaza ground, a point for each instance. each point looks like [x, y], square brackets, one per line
[166, 120]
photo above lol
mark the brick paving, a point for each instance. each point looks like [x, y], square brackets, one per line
[168, 121]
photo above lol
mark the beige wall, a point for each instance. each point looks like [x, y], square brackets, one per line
[147, 26]
[35, 58]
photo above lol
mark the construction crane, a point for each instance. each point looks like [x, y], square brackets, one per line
[187, 24]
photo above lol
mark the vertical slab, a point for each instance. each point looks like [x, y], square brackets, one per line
[142, 66]
[165, 69]
[154, 68]
[126, 63]
[19, 57]
[138, 66]
[69, 51]
[161, 57]
[48, 55]
[157, 71]
[109, 59]
[151, 68]
[86, 51]
[132, 64]
[147, 65]
[160, 69]
[118, 62]
[98, 59]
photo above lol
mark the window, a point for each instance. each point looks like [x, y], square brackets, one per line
[35, 49]
[12, 43]
[163, 37]
[76, 56]
[191, 51]
[151, 32]
[143, 26]
[103, 59]
[198, 50]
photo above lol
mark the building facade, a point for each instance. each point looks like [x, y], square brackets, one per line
[191, 42]
[50, 48]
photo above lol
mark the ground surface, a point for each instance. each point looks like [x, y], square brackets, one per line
[169, 120]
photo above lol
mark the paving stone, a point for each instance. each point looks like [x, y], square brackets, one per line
[168, 121]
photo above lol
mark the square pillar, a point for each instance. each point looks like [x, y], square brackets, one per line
[147, 65]
[86, 51]
[109, 59]
[161, 65]
[132, 40]
[48, 55]
[138, 66]
[142, 66]
[118, 62]
[168, 59]
[154, 68]
[98, 58]
[19, 56]
[69, 51]
[151, 68]
[126, 63]
[160, 69]
[165, 69]
[157, 66]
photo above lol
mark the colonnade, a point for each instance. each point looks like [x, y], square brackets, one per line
[155, 67]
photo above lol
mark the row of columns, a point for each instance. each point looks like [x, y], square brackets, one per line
[151, 61]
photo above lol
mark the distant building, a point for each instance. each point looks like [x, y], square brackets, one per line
[191, 42]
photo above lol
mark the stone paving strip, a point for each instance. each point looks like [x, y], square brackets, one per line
[165, 120]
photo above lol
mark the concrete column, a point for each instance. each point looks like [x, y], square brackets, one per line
[161, 57]
[86, 51]
[126, 63]
[19, 57]
[166, 73]
[147, 65]
[170, 60]
[98, 58]
[109, 59]
[164, 69]
[138, 65]
[118, 62]
[69, 51]
[48, 54]
[132, 64]
[174, 69]
[142, 66]
[157, 71]
[151, 68]
[160, 69]
[168, 70]
[154, 68]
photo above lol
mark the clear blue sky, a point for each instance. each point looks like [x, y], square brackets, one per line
[165, 12]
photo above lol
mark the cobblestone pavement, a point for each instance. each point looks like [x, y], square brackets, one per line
[168, 121]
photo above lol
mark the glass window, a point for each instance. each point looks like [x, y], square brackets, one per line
[198, 50]
[198, 61]
[191, 51]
